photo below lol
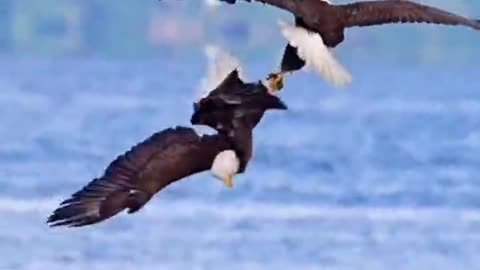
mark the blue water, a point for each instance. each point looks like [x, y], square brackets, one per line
[383, 175]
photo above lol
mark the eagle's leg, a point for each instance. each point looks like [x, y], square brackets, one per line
[291, 62]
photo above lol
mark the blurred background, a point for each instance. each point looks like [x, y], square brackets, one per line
[78, 28]
[383, 175]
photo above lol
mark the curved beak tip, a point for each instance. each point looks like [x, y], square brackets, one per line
[228, 181]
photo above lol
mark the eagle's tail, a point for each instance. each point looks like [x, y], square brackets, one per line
[97, 201]
[220, 64]
[316, 54]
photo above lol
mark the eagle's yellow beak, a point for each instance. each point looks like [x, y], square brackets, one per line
[228, 180]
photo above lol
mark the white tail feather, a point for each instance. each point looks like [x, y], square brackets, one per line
[220, 64]
[312, 50]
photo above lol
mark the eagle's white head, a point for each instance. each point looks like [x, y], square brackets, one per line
[225, 165]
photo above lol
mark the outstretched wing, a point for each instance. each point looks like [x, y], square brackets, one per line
[312, 50]
[399, 11]
[134, 177]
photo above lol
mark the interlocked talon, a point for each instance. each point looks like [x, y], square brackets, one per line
[275, 82]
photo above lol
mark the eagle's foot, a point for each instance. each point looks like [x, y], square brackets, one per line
[275, 82]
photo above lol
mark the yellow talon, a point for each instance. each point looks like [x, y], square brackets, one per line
[275, 82]
[228, 181]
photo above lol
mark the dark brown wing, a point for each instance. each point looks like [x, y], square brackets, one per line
[134, 177]
[399, 11]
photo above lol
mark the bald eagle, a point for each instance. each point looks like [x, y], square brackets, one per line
[319, 26]
[131, 180]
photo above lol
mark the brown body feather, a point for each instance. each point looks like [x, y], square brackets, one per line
[134, 177]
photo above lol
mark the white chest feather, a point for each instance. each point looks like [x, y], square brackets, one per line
[225, 164]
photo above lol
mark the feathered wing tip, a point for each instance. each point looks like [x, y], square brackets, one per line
[312, 50]
[116, 190]
[220, 64]
[97, 201]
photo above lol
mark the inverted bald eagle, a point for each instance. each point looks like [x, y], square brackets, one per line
[131, 180]
[319, 26]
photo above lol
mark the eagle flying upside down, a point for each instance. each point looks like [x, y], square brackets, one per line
[320, 25]
[234, 108]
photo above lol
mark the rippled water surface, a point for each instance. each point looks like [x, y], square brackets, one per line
[384, 175]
